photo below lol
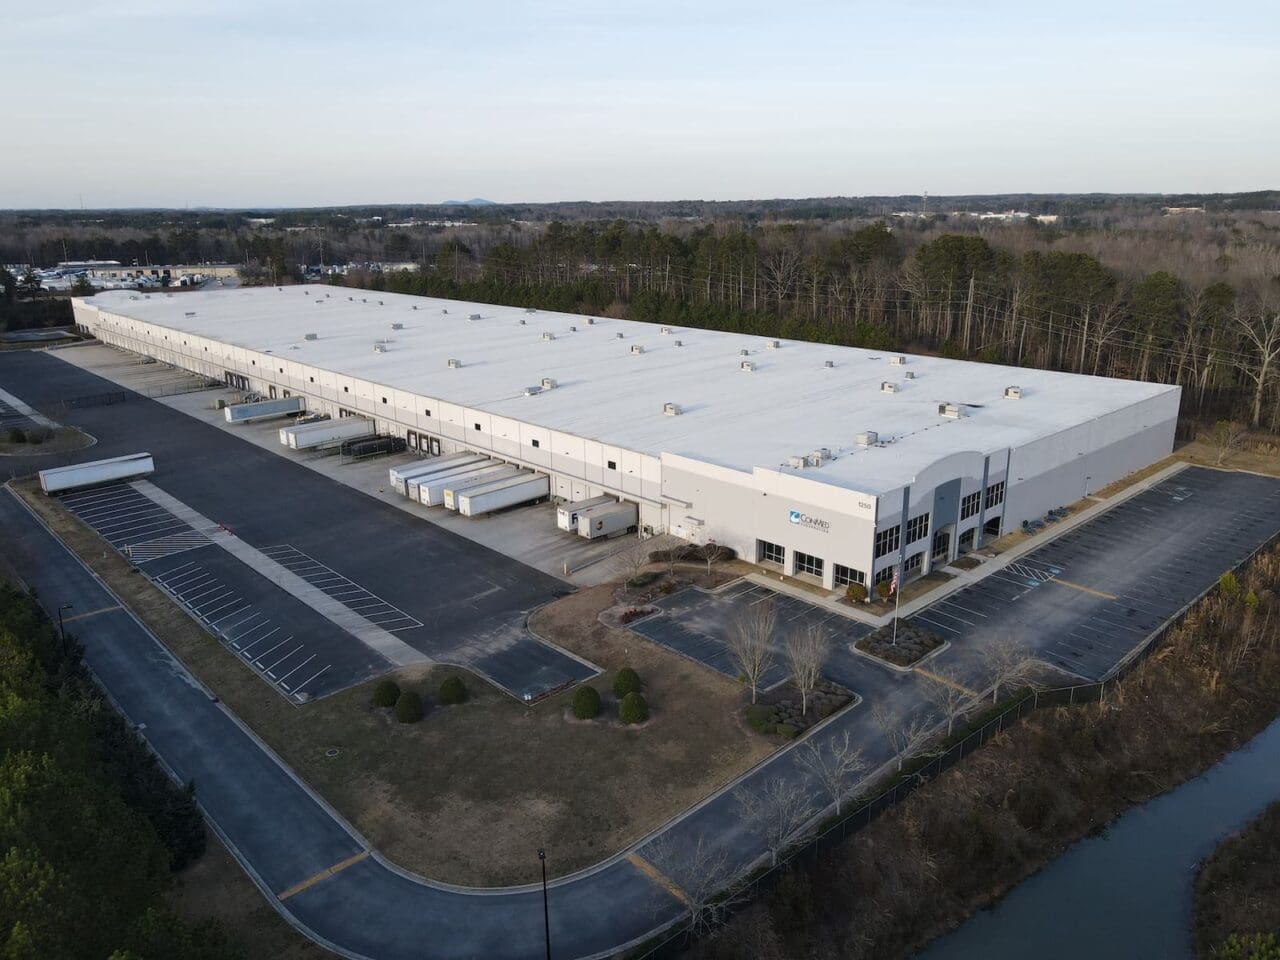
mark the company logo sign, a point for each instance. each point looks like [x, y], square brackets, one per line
[800, 518]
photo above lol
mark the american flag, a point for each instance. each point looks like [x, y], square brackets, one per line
[893, 587]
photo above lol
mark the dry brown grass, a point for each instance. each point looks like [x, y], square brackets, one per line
[1237, 889]
[469, 793]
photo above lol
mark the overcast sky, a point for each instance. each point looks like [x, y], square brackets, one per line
[133, 102]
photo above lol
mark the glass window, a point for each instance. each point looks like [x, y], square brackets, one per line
[969, 505]
[887, 541]
[843, 576]
[885, 574]
[612, 464]
[807, 564]
[914, 562]
[917, 528]
[535, 443]
[771, 552]
[995, 494]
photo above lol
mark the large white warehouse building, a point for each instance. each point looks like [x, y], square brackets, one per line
[834, 463]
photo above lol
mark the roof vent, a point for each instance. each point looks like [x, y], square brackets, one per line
[397, 326]
[522, 321]
[797, 463]
[445, 310]
[1013, 393]
[415, 306]
[744, 353]
[573, 329]
[908, 375]
[473, 317]
[898, 361]
[381, 304]
[189, 313]
[636, 349]
[310, 336]
[619, 336]
[532, 391]
[888, 386]
[951, 411]
[868, 438]
[454, 364]
[829, 364]
[548, 335]
[364, 299]
[746, 365]
[319, 301]
[351, 299]
[679, 343]
[548, 383]
[380, 347]
[773, 344]
[590, 320]
[671, 410]
[530, 309]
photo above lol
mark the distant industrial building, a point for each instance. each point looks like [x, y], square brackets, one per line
[830, 463]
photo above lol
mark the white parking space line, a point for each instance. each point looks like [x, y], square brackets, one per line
[258, 658]
[295, 650]
[226, 616]
[312, 677]
[282, 680]
[266, 636]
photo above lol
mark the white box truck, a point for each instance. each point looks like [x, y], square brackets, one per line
[567, 513]
[413, 484]
[264, 410]
[328, 432]
[452, 488]
[504, 493]
[609, 520]
[60, 479]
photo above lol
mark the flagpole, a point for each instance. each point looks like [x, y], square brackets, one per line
[897, 604]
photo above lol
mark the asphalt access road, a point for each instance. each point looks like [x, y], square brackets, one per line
[471, 601]
[1085, 600]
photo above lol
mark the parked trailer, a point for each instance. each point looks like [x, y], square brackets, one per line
[373, 446]
[61, 479]
[489, 475]
[567, 513]
[400, 476]
[612, 520]
[264, 410]
[330, 433]
[430, 490]
[503, 493]
[413, 485]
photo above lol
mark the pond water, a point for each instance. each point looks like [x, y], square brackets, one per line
[1126, 892]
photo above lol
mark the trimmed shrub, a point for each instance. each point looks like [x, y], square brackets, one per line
[633, 708]
[788, 731]
[884, 589]
[453, 691]
[408, 707]
[586, 702]
[633, 613]
[38, 435]
[625, 681]
[762, 717]
[386, 693]
[17, 435]
[855, 593]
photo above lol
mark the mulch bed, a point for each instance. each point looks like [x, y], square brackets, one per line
[913, 644]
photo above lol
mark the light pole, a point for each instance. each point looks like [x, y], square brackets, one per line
[546, 914]
[62, 634]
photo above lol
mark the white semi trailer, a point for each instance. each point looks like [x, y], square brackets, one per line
[308, 436]
[523, 488]
[567, 513]
[61, 479]
[609, 520]
[431, 489]
[453, 488]
[264, 410]
[413, 485]
[399, 476]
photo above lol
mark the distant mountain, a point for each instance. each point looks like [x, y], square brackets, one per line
[473, 202]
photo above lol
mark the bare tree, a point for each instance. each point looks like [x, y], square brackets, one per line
[708, 552]
[907, 737]
[778, 810]
[1259, 327]
[1226, 438]
[703, 877]
[806, 651]
[750, 640]
[1007, 661]
[835, 763]
[631, 561]
[949, 695]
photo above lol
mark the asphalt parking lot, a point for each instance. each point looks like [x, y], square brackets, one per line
[470, 602]
[10, 418]
[1085, 600]
[695, 624]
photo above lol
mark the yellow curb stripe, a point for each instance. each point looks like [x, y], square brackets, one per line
[657, 876]
[91, 613]
[1083, 589]
[945, 682]
[324, 874]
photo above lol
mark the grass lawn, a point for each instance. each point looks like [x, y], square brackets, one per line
[64, 440]
[468, 794]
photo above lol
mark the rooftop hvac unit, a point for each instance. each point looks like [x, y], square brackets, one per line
[522, 321]
[829, 364]
[664, 330]
[744, 353]
[548, 383]
[310, 336]
[364, 299]
[319, 301]
[868, 438]
[397, 326]
[446, 310]
[189, 313]
[671, 409]
[474, 316]
[415, 306]
[813, 459]
[679, 343]
[888, 386]
[454, 364]
[636, 349]
[908, 375]
[351, 299]
[619, 336]
[590, 320]
[548, 335]
[381, 304]
[797, 463]
[530, 309]
[1013, 393]
[898, 361]
[379, 347]
[773, 344]
[532, 391]
[746, 365]
[951, 411]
